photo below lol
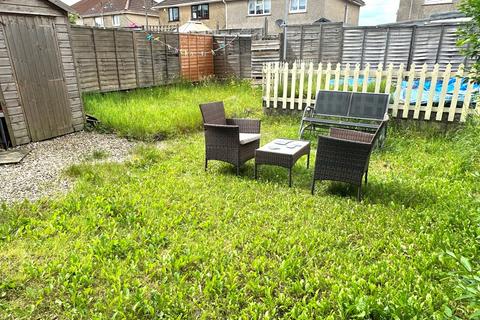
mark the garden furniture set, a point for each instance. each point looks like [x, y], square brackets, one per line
[356, 122]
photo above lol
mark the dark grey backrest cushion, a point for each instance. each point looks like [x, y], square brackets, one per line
[369, 105]
[333, 103]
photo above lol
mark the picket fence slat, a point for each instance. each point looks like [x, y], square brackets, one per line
[406, 84]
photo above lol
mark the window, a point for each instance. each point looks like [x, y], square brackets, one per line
[437, 1]
[116, 21]
[173, 14]
[259, 7]
[200, 11]
[298, 6]
[98, 21]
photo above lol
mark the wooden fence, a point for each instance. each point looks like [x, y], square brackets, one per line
[395, 44]
[233, 56]
[110, 60]
[294, 87]
[196, 58]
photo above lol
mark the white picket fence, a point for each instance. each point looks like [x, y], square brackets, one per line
[294, 87]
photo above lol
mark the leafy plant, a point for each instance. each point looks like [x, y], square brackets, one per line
[470, 35]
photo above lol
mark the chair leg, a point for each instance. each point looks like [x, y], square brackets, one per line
[359, 193]
[366, 177]
[238, 169]
[206, 164]
[313, 187]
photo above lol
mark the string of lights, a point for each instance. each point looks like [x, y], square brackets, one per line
[185, 52]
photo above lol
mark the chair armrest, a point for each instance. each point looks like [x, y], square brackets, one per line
[352, 135]
[221, 135]
[308, 109]
[246, 125]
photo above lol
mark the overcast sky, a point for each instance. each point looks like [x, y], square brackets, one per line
[375, 11]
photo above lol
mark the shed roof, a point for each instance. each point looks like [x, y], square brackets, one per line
[62, 5]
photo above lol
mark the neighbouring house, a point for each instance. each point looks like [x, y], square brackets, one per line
[116, 13]
[249, 14]
[424, 9]
[211, 13]
[252, 13]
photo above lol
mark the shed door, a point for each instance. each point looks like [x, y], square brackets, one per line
[38, 68]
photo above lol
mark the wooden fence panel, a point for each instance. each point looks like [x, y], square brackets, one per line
[352, 46]
[263, 51]
[111, 59]
[375, 46]
[425, 45]
[196, 56]
[398, 49]
[233, 56]
[125, 54]
[332, 43]
[85, 56]
[445, 105]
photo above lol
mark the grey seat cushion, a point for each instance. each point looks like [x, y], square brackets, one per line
[248, 137]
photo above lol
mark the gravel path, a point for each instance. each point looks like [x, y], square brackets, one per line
[40, 172]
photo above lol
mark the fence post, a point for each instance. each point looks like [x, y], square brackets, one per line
[443, 93]
[294, 83]
[319, 78]
[285, 85]
[320, 44]
[116, 58]
[421, 86]
[310, 84]
[408, 94]
[412, 47]
[366, 75]
[268, 84]
[388, 81]
[301, 42]
[346, 76]
[327, 76]
[356, 74]
[431, 95]
[153, 62]
[466, 101]
[398, 89]
[456, 90]
[134, 41]
[301, 89]
[276, 70]
[378, 77]
[96, 59]
[337, 77]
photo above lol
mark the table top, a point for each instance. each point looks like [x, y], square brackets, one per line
[284, 146]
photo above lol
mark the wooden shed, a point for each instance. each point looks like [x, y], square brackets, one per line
[39, 94]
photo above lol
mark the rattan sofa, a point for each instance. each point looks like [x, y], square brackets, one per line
[344, 156]
[229, 140]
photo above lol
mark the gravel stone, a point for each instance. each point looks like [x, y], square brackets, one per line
[39, 174]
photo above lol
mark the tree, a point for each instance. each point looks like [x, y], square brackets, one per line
[470, 35]
[73, 17]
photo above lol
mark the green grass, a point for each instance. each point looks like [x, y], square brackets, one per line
[162, 112]
[157, 237]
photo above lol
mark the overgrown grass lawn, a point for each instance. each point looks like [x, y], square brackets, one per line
[162, 112]
[157, 237]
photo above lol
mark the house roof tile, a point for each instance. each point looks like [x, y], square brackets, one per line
[93, 7]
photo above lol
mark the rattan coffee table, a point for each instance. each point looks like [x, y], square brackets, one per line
[283, 153]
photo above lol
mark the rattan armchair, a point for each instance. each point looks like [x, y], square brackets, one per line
[229, 140]
[344, 156]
